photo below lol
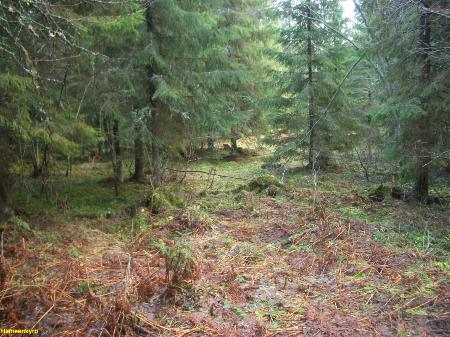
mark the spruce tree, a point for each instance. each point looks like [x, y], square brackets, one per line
[245, 28]
[175, 56]
[408, 40]
[200, 79]
[34, 38]
[116, 99]
[312, 104]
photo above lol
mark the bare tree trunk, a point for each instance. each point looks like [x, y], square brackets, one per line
[154, 117]
[40, 165]
[5, 199]
[421, 186]
[154, 127]
[311, 107]
[234, 147]
[371, 133]
[100, 149]
[114, 145]
[36, 164]
[69, 167]
[233, 141]
[118, 151]
[210, 143]
[109, 139]
[6, 178]
[156, 165]
[138, 155]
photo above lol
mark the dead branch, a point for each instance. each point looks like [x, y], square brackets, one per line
[208, 173]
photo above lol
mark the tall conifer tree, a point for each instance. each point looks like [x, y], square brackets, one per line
[314, 60]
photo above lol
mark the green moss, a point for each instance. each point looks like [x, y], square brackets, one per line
[352, 212]
[84, 287]
[174, 199]
[20, 223]
[160, 202]
[73, 251]
[80, 196]
[165, 200]
[378, 192]
[48, 237]
[260, 183]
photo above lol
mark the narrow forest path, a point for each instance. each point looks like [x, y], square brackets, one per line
[247, 264]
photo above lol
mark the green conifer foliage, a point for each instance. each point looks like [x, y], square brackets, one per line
[312, 106]
[201, 78]
[409, 41]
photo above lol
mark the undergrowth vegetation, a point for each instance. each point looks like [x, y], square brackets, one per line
[228, 255]
[225, 168]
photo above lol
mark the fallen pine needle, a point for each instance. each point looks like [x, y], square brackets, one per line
[153, 323]
[45, 314]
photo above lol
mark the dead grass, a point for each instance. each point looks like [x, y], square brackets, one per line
[258, 266]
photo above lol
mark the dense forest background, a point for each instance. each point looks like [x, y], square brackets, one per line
[96, 79]
[164, 113]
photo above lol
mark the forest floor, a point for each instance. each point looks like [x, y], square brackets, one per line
[225, 258]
